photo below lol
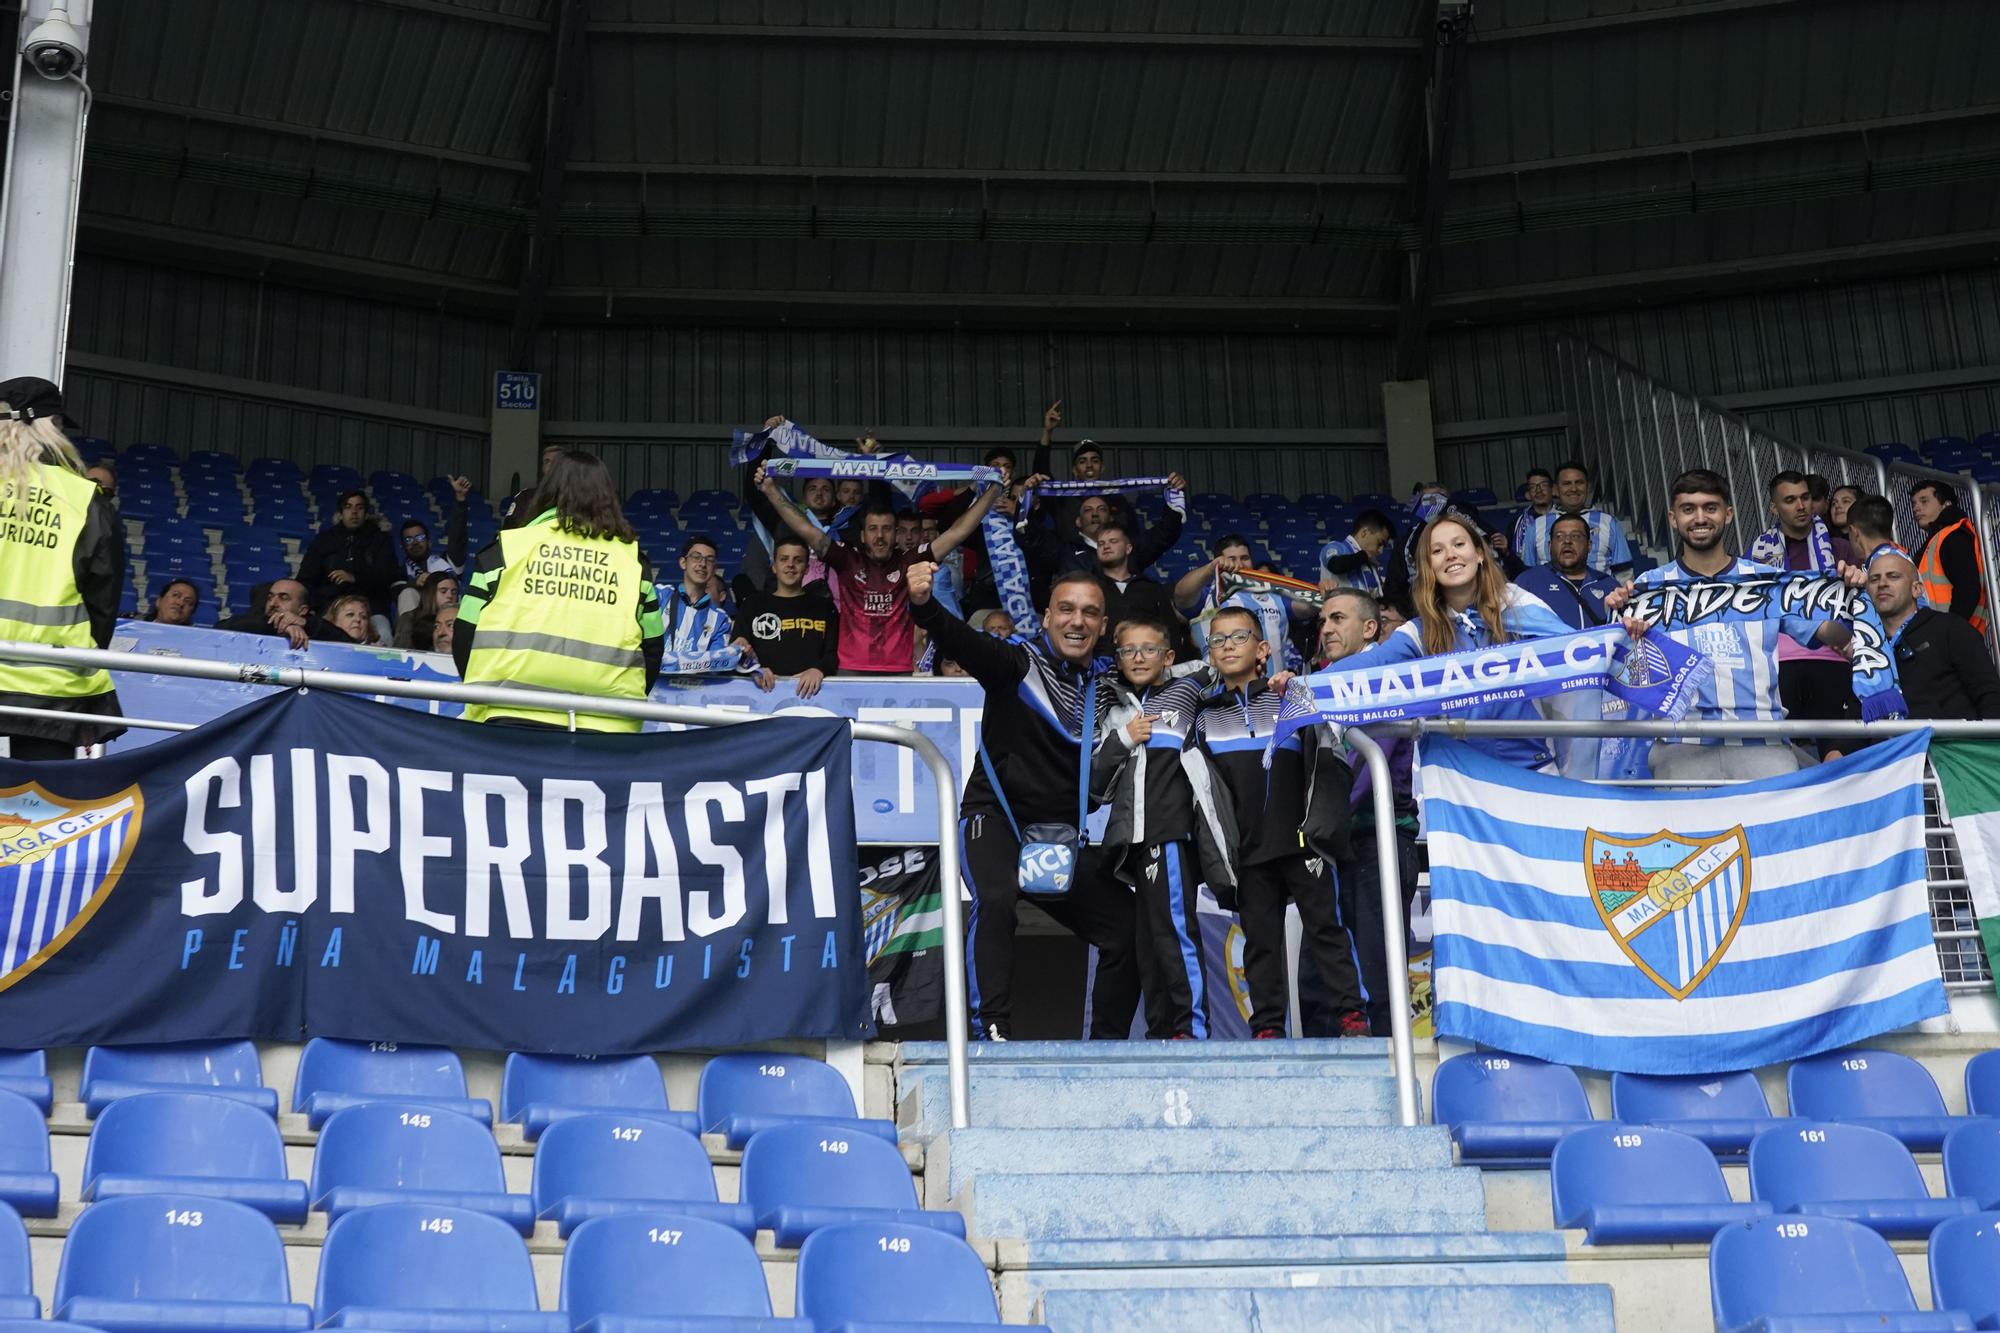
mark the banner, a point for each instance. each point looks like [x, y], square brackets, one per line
[318, 865]
[902, 915]
[1176, 498]
[1661, 932]
[898, 469]
[894, 799]
[1968, 773]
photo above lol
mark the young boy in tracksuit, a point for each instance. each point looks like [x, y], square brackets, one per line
[1170, 828]
[1292, 821]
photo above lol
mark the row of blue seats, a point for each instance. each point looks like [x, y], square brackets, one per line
[1512, 1110]
[188, 1262]
[739, 1093]
[797, 1176]
[1784, 1273]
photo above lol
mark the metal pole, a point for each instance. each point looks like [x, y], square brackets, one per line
[347, 683]
[61, 715]
[1402, 1054]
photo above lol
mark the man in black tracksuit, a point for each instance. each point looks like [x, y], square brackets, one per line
[1033, 734]
[1292, 821]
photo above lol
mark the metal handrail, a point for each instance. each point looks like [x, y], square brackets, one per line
[313, 678]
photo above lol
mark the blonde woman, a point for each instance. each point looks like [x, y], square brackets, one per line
[61, 567]
[350, 615]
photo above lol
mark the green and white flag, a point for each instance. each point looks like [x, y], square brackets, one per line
[902, 913]
[1969, 777]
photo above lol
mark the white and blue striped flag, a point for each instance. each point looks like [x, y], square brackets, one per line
[1662, 932]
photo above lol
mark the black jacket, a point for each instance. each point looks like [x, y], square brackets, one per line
[365, 552]
[1944, 671]
[1960, 558]
[1052, 550]
[253, 622]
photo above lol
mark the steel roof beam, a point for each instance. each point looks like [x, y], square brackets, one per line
[568, 69]
[232, 120]
[452, 10]
[1435, 99]
[1637, 18]
[1195, 41]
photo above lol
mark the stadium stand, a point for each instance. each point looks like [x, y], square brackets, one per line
[191, 1143]
[223, 1069]
[1971, 1156]
[1965, 1267]
[538, 1090]
[397, 1152]
[1823, 1169]
[592, 1166]
[423, 1265]
[26, 1074]
[1879, 1089]
[799, 1178]
[1507, 1110]
[657, 1269]
[27, 1185]
[176, 1261]
[1724, 1111]
[1625, 1185]
[1777, 1273]
[742, 1094]
[1982, 1083]
[17, 1292]
[334, 1075]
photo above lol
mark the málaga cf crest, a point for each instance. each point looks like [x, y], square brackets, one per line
[1672, 902]
[59, 859]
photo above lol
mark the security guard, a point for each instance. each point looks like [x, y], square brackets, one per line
[562, 602]
[61, 563]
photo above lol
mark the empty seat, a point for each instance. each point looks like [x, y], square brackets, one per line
[17, 1273]
[26, 1180]
[864, 1276]
[600, 1165]
[191, 1143]
[26, 1074]
[176, 1261]
[1778, 1273]
[1965, 1267]
[1638, 1185]
[1850, 1171]
[743, 1093]
[1507, 1110]
[225, 1068]
[406, 1152]
[538, 1090]
[799, 1178]
[1879, 1089]
[334, 1075]
[1724, 1111]
[1982, 1083]
[419, 1266]
[653, 1270]
[1972, 1162]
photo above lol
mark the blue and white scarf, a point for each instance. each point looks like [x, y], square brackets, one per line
[746, 446]
[1769, 548]
[899, 470]
[1010, 572]
[1176, 498]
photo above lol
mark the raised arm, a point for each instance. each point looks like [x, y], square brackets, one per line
[965, 524]
[1187, 588]
[795, 519]
[994, 663]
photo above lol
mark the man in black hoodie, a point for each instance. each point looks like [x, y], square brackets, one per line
[352, 556]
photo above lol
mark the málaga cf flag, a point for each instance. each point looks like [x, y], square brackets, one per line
[1679, 932]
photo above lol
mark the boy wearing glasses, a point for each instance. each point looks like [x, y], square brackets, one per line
[1170, 829]
[1292, 822]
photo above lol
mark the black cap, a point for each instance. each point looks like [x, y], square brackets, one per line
[1085, 447]
[32, 399]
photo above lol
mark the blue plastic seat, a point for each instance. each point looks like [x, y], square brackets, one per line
[17, 1270]
[225, 1068]
[1879, 1089]
[1965, 1267]
[799, 1178]
[1982, 1083]
[661, 1270]
[1850, 1171]
[191, 1143]
[334, 1075]
[171, 1261]
[871, 1277]
[538, 1090]
[1724, 1111]
[1634, 1185]
[1972, 1162]
[27, 1181]
[26, 1074]
[407, 1152]
[601, 1165]
[1507, 1110]
[1779, 1274]
[746, 1092]
[419, 1266]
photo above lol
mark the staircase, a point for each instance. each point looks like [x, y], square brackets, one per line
[1227, 1185]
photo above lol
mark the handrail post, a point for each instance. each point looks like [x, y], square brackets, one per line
[1402, 1052]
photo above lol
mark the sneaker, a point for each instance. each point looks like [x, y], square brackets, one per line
[995, 1033]
[1267, 1034]
[1354, 1023]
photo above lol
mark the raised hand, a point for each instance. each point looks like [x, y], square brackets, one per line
[1052, 415]
[918, 578]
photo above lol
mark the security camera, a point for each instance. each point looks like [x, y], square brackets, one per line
[55, 48]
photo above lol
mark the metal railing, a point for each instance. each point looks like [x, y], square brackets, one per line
[311, 678]
[1638, 433]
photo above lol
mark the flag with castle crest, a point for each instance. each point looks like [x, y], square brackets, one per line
[1675, 932]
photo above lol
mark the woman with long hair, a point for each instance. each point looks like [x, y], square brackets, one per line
[434, 592]
[1463, 602]
[1838, 504]
[61, 566]
[562, 602]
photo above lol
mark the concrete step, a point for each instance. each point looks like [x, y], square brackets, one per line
[1159, 1151]
[1366, 1055]
[1225, 1203]
[1085, 1100]
[1491, 1308]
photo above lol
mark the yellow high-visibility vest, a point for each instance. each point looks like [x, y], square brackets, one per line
[42, 517]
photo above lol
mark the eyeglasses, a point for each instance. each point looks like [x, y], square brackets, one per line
[1233, 639]
[1133, 651]
[412, 538]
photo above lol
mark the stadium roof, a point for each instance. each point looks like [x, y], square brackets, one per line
[1251, 163]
